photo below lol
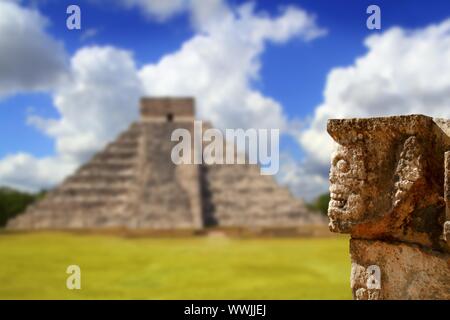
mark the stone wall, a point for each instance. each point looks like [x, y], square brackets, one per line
[158, 109]
[389, 182]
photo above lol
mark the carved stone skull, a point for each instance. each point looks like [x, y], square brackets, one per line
[385, 176]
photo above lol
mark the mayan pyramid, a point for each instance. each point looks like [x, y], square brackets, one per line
[134, 184]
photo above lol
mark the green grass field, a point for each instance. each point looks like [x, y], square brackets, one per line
[33, 266]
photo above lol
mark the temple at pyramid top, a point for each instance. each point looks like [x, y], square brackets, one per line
[167, 109]
[133, 183]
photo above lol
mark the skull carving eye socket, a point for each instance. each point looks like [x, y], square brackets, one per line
[342, 165]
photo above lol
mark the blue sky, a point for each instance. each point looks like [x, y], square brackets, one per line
[292, 72]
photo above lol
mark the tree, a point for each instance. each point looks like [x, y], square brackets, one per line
[13, 202]
[320, 204]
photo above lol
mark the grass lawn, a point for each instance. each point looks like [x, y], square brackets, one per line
[33, 266]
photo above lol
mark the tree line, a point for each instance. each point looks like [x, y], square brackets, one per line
[14, 202]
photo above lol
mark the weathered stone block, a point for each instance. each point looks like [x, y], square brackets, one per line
[405, 271]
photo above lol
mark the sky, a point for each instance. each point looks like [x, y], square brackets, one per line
[281, 64]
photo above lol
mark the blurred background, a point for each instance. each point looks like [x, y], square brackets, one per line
[289, 65]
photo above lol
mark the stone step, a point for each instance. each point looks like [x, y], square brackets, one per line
[97, 186]
[69, 204]
[114, 161]
[127, 146]
[104, 191]
[128, 137]
[123, 154]
[101, 179]
[255, 196]
[107, 167]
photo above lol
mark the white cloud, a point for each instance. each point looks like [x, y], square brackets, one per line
[23, 171]
[403, 72]
[160, 10]
[98, 101]
[200, 11]
[301, 180]
[30, 59]
[89, 34]
[219, 65]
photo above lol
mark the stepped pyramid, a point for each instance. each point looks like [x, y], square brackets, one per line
[133, 183]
